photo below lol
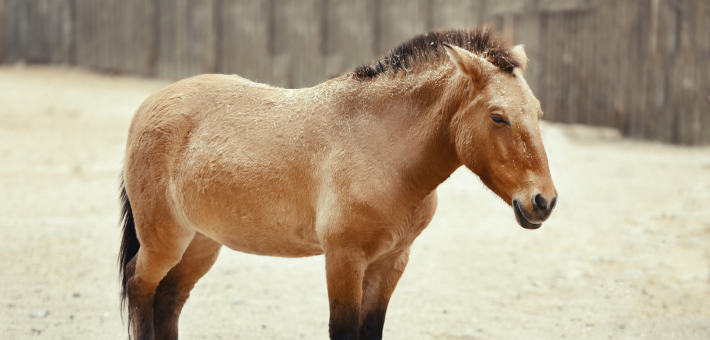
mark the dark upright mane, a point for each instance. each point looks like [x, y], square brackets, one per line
[424, 47]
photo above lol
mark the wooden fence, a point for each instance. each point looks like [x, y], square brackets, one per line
[642, 66]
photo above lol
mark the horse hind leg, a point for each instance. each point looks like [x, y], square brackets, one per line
[162, 244]
[174, 290]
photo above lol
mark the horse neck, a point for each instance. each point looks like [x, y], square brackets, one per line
[422, 104]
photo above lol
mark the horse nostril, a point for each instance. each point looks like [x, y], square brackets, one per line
[540, 202]
[554, 202]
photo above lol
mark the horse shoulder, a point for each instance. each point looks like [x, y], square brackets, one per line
[374, 213]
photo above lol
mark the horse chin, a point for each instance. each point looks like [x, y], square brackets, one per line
[521, 218]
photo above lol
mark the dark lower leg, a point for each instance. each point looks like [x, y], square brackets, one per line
[141, 296]
[372, 324]
[174, 289]
[148, 268]
[169, 300]
[344, 322]
[380, 280]
[344, 271]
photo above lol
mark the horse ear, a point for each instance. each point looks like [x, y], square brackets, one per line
[465, 61]
[518, 53]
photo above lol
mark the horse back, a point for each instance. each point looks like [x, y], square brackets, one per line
[261, 169]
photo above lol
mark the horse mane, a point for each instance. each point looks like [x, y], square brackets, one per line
[428, 47]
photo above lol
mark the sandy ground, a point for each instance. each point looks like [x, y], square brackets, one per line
[626, 254]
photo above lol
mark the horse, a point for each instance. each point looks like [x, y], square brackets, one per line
[347, 168]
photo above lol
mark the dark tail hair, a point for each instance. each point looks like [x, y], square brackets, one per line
[129, 243]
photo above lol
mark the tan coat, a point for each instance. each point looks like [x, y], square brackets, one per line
[347, 168]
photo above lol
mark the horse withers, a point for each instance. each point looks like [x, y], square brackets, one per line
[347, 168]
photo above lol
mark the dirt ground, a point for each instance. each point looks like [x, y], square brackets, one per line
[626, 254]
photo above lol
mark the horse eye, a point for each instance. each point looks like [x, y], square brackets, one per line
[498, 119]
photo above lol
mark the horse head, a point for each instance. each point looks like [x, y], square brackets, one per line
[496, 132]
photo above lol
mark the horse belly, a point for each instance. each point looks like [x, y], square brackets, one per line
[271, 240]
[247, 219]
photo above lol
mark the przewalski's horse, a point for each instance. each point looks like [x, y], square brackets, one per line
[347, 168]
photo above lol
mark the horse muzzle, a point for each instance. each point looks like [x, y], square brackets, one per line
[541, 210]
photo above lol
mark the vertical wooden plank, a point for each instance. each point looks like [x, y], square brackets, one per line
[658, 94]
[150, 39]
[566, 50]
[687, 127]
[217, 25]
[36, 49]
[103, 27]
[544, 94]
[618, 66]
[126, 22]
[113, 40]
[181, 39]
[586, 53]
[82, 11]
[120, 54]
[614, 68]
[626, 17]
[228, 17]
[92, 33]
[68, 33]
[96, 37]
[595, 44]
[3, 29]
[633, 60]
[99, 41]
[209, 58]
[625, 69]
[646, 123]
[165, 63]
[669, 43]
[553, 70]
[703, 40]
[676, 108]
[31, 45]
[53, 31]
[558, 50]
[570, 60]
[698, 93]
[78, 31]
[122, 57]
[647, 47]
[193, 46]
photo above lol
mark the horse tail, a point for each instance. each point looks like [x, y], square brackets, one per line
[129, 243]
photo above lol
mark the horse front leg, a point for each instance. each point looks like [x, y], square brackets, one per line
[345, 268]
[380, 280]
